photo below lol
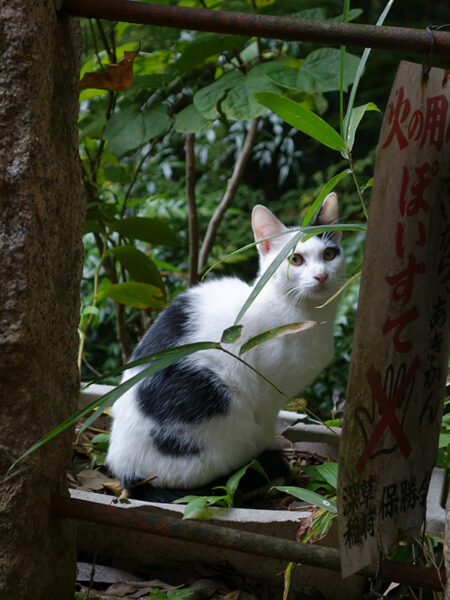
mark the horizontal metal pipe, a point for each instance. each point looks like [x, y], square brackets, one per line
[266, 26]
[240, 541]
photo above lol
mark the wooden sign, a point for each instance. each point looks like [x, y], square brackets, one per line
[399, 360]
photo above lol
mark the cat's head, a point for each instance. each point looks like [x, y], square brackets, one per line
[315, 269]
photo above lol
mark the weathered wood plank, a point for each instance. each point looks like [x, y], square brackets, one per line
[400, 349]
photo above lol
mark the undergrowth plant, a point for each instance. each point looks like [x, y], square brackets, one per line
[200, 504]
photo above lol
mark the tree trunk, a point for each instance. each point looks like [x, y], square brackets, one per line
[42, 209]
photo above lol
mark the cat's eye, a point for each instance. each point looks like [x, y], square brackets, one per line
[296, 260]
[330, 253]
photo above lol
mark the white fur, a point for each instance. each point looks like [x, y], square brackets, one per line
[291, 362]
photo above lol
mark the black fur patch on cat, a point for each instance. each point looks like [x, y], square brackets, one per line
[167, 330]
[167, 442]
[272, 461]
[183, 394]
[179, 393]
[326, 237]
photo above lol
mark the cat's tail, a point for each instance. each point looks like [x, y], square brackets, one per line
[272, 461]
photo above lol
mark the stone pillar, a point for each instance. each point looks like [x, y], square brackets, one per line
[41, 215]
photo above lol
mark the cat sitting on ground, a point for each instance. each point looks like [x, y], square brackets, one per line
[207, 415]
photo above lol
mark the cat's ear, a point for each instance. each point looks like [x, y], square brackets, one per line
[329, 215]
[265, 224]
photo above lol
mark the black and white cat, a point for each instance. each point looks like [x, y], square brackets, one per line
[208, 414]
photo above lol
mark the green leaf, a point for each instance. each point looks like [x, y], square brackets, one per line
[132, 127]
[206, 45]
[231, 334]
[444, 439]
[303, 119]
[239, 104]
[317, 14]
[207, 99]
[92, 127]
[146, 229]
[367, 185]
[324, 66]
[327, 188]
[92, 227]
[277, 332]
[308, 496]
[90, 310]
[327, 472]
[233, 481]
[198, 503]
[318, 73]
[288, 77]
[134, 293]
[355, 118]
[101, 440]
[190, 119]
[139, 265]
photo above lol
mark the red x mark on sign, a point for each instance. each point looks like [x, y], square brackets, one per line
[388, 416]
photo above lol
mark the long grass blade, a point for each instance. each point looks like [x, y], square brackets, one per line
[360, 69]
[327, 188]
[109, 398]
[282, 255]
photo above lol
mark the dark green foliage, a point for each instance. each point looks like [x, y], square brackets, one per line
[134, 167]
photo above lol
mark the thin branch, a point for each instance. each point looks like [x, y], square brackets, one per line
[122, 331]
[192, 209]
[232, 186]
[104, 39]
[136, 173]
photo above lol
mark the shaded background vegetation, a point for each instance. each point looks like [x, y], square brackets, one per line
[134, 165]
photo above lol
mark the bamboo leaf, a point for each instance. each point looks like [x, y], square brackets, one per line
[231, 334]
[327, 188]
[282, 255]
[355, 118]
[277, 332]
[303, 119]
[233, 481]
[327, 472]
[341, 289]
[308, 496]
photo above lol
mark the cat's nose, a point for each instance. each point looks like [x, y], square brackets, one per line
[321, 277]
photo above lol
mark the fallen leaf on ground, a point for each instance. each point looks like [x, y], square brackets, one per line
[93, 480]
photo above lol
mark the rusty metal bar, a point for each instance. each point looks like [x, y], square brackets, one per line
[240, 541]
[266, 26]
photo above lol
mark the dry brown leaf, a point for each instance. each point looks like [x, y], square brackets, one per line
[113, 486]
[305, 525]
[118, 77]
[92, 480]
[232, 595]
[120, 589]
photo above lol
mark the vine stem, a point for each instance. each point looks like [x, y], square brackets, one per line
[83, 332]
[275, 387]
[358, 189]
[192, 208]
